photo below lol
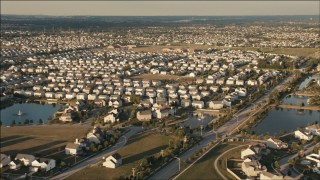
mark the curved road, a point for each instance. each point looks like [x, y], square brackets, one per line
[216, 161]
[121, 142]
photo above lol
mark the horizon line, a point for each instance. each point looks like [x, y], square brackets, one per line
[155, 15]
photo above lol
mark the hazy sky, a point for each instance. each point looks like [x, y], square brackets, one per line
[155, 8]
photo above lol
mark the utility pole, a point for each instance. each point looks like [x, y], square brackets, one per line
[133, 172]
[179, 162]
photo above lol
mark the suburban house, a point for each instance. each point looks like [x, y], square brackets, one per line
[112, 161]
[25, 158]
[5, 160]
[96, 135]
[255, 151]
[198, 104]
[113, 116]
[145, 115]
[15, 164]
[252, 168]
[73, 149]
[315, 158]
[215, 104]
[303, 135]
[314, 129]
[44, 164]
[276, 144]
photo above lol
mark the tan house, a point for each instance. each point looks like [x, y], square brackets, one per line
[144, 115]
[252, 168]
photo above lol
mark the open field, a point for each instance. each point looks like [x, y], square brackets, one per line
[39, 140]
[204, 168]
[162, 77]
[136, 149]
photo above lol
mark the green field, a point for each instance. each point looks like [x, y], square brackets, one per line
[137, 148]
[204, 168]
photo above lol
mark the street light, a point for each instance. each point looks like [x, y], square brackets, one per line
[179, 162]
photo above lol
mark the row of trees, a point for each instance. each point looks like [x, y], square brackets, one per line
[26, 121]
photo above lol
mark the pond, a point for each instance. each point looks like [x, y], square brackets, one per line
[30, 111]
[307, 80]
[295, 100]
[194, 121]
[279, 120]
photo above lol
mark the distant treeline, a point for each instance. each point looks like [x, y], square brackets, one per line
[96, 23]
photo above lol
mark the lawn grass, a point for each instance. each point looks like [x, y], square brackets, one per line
[204, 168]
[132, 153]
[39, 140]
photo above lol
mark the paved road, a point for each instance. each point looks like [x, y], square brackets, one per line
[121, 142]
[228, 128]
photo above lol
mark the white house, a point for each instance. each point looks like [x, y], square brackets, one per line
[112, 161]
[15, 164]
[73, 149]
[215, 104]
[303, 135]
[25, 158]
[44, 164]
[112, 116]
[198, 104]
[314, 129]
[276, 144]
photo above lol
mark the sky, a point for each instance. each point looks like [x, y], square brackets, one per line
[160, 8]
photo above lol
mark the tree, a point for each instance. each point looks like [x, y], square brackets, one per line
[289, 172]
[106, 143]
[277, 165]
[99, 147]
[40, 121]
[93, 147]
[62, 164]
[13, 122]
[291, 161]
[27, 121]
[135, 99]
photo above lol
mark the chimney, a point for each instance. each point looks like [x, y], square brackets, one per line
[77, 141]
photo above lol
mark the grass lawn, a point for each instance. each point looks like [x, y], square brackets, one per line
[39, 140]
[132, 153]
[204, 168]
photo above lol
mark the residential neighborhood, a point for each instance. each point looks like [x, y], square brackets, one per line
[159, 96]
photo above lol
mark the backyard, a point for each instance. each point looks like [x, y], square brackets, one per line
[39, 140]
